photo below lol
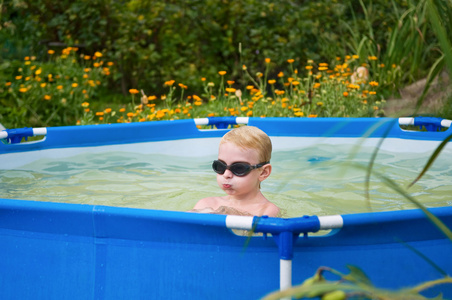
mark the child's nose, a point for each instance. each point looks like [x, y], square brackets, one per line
[227, 173]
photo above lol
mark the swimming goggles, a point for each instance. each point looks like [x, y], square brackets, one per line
[238, 168]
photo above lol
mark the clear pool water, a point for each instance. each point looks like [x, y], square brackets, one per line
[313, 179]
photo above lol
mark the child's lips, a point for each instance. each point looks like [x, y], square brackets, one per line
[226, 186]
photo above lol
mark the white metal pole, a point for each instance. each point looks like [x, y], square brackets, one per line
[285, 275]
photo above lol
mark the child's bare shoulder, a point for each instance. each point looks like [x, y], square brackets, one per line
[271, 210]
[209, 202]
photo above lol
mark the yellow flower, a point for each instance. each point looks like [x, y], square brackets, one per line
[96, 65]
[47, 97]
[267, 60]
[345, 94]
[8, 83]
[43, 85]
[271, 81]
[152, 98]
[249, 113]
[230, 82]
[308, 67]
[244, 108]
[99, 113]
[299, 114]
[372, 93]
[319, 103]
[290, 61]
[312, 116]
[133, 91]
[222, 73]
[183, 86]
[353, 86]
[280, 74]
[107, 110]
[323, 68]
[355, 56]
[85, 104]
[18, 77]
[373, 83]
[74, 85]
[230, 90]
[122, 109]
[38, 71]
[243, 67]
[295, 82]
[60, 87]
[51, 52]
[323, 65]
[249, 87]
[316, 85]
[372, 58]
[169, 82]
[130, 114]
[87, 57]
[98, 54]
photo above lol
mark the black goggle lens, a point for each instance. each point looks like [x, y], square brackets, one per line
[238, 169]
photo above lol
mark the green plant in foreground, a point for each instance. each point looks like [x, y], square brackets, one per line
[354, 285]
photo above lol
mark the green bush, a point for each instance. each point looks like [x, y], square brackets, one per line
[155, 41]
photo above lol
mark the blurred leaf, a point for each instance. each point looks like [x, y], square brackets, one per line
[432, 159]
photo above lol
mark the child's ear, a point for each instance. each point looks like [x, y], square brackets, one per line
[265, 172]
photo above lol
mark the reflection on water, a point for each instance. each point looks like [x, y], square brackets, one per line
[304, 182]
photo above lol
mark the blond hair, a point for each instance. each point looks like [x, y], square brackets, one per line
[250, 137]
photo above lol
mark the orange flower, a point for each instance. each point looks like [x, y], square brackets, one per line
[345, 94]
[267, 60]
[222, 73]
[133, 91]
[290, 61]
[271, 81]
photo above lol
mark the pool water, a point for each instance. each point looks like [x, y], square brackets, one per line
[313, 180]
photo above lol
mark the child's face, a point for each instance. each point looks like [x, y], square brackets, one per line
[234, 185]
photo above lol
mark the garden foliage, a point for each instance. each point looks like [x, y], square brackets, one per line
[153, 42]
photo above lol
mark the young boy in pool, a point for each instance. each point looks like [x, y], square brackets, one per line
[243, 163]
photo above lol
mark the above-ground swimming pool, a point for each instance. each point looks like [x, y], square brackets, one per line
[100, 210]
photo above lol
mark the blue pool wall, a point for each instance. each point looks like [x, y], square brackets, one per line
[72, 251]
